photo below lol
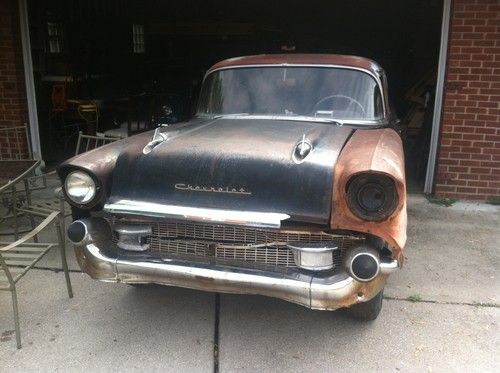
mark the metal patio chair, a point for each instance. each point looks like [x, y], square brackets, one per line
[89, 142]
[140, 117]
[43, 208]
[18, 257]
[18, 167]
[14, 143]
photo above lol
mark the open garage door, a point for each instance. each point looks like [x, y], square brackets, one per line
[95, 51]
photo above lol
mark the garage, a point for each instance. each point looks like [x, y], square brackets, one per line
[87, 52]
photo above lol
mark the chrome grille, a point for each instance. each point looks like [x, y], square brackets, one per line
[233, 233]
[237, 245]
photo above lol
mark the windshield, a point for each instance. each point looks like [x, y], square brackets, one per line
[320, 92]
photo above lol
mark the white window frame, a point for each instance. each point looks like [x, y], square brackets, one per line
[138, 39]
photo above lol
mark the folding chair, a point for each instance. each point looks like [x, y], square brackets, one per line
[18, 257]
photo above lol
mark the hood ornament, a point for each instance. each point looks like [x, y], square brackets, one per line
[302, 149]
[157, 139]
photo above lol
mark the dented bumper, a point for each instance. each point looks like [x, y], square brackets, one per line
[317, 291]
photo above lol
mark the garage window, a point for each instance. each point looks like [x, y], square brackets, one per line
[54, 37]
[138, 38]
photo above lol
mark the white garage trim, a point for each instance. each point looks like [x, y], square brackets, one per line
[438, 103]
[29, 80]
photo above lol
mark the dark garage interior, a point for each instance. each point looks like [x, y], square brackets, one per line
[96, 61]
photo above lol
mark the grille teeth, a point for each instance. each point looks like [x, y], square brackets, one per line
[236, 245]
[231, 233]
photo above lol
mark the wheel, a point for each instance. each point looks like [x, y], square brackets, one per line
[366, 311]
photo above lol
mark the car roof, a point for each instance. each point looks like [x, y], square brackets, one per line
[301, 59]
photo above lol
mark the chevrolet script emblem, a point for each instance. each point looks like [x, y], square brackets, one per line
[212, 189]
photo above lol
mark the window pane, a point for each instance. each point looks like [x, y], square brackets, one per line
[138, 38]
[306, 91]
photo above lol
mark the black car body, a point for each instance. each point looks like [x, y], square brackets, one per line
[289, 182]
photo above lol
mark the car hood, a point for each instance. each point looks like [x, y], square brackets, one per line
[234, 164]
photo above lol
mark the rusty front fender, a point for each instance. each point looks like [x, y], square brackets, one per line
[378, 151]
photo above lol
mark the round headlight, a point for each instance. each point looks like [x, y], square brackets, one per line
[372, 196]
[80, 187]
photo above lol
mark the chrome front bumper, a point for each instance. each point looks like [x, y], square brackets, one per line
[315, 291]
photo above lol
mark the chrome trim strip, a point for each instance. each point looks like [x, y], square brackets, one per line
[388, 268]
[374, 76]
[308, 248]
[248, 218]
[299, 118]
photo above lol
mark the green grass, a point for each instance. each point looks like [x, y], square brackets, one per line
[414, 298]
[447, 202]
[494, 200]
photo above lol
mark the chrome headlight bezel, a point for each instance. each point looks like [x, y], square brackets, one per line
[372, 196]
[81, 188]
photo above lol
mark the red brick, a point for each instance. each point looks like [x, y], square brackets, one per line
[477, 183]
[475, 22]
[475, 7]
[489, 131]
[486, 191]
[468, 63]
[445, 188]
[464, 162]
[473, 71]
[481, 156]
[488, 104]
[467, 190]
[480, 170]
[476, 110]
[469, 35]
[12, 95]
[488, 177]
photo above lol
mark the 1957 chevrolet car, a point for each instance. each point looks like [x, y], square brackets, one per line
[288, 182]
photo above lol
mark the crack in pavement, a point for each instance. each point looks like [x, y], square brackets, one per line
[56, 270]
[473, 304]
[217, 304]
[216, 333]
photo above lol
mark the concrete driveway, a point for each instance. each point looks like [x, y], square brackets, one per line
[441, 313]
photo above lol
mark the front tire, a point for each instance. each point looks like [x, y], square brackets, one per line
[366, 311]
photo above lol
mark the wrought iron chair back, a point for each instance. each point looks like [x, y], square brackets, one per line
[14, 143]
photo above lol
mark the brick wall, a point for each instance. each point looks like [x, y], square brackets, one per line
[13, 108]
[469, 154]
